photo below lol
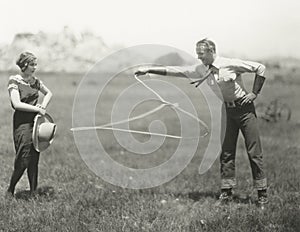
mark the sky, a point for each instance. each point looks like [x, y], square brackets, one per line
[245, 28]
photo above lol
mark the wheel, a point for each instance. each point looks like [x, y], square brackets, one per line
[283, 113]
[260, 109]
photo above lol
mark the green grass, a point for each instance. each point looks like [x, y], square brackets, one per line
[72, 198]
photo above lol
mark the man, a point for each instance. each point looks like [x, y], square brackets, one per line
[240, 111]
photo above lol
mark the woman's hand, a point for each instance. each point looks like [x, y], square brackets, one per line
[42, 110]
[40, 106]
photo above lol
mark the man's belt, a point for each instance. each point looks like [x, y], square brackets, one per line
[233, 104]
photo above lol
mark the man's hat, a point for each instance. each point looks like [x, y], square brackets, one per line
[43, 132]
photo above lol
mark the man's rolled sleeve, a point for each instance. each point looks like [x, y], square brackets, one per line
[192, 72]
[241, 66]
[261, 70]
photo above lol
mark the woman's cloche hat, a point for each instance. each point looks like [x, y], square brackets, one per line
[43, 133]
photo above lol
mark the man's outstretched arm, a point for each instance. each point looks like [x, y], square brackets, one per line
[165, 71]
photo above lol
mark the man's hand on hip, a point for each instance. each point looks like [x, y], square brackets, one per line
[248, 98]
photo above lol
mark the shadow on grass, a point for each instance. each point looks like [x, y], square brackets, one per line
[44, 192]
[197, 196]
[243, 199]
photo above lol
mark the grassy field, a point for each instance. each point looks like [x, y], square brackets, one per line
[73, 198]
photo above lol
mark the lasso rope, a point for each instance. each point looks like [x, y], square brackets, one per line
[109, 126]
[125, 130]
[175, 106]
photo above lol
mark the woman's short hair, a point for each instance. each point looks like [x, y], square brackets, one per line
[208, 44]
[24, 59]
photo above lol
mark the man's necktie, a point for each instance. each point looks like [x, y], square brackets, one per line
[211, 78]
[207, 75]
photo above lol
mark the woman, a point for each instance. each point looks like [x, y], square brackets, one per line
[24, 91]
